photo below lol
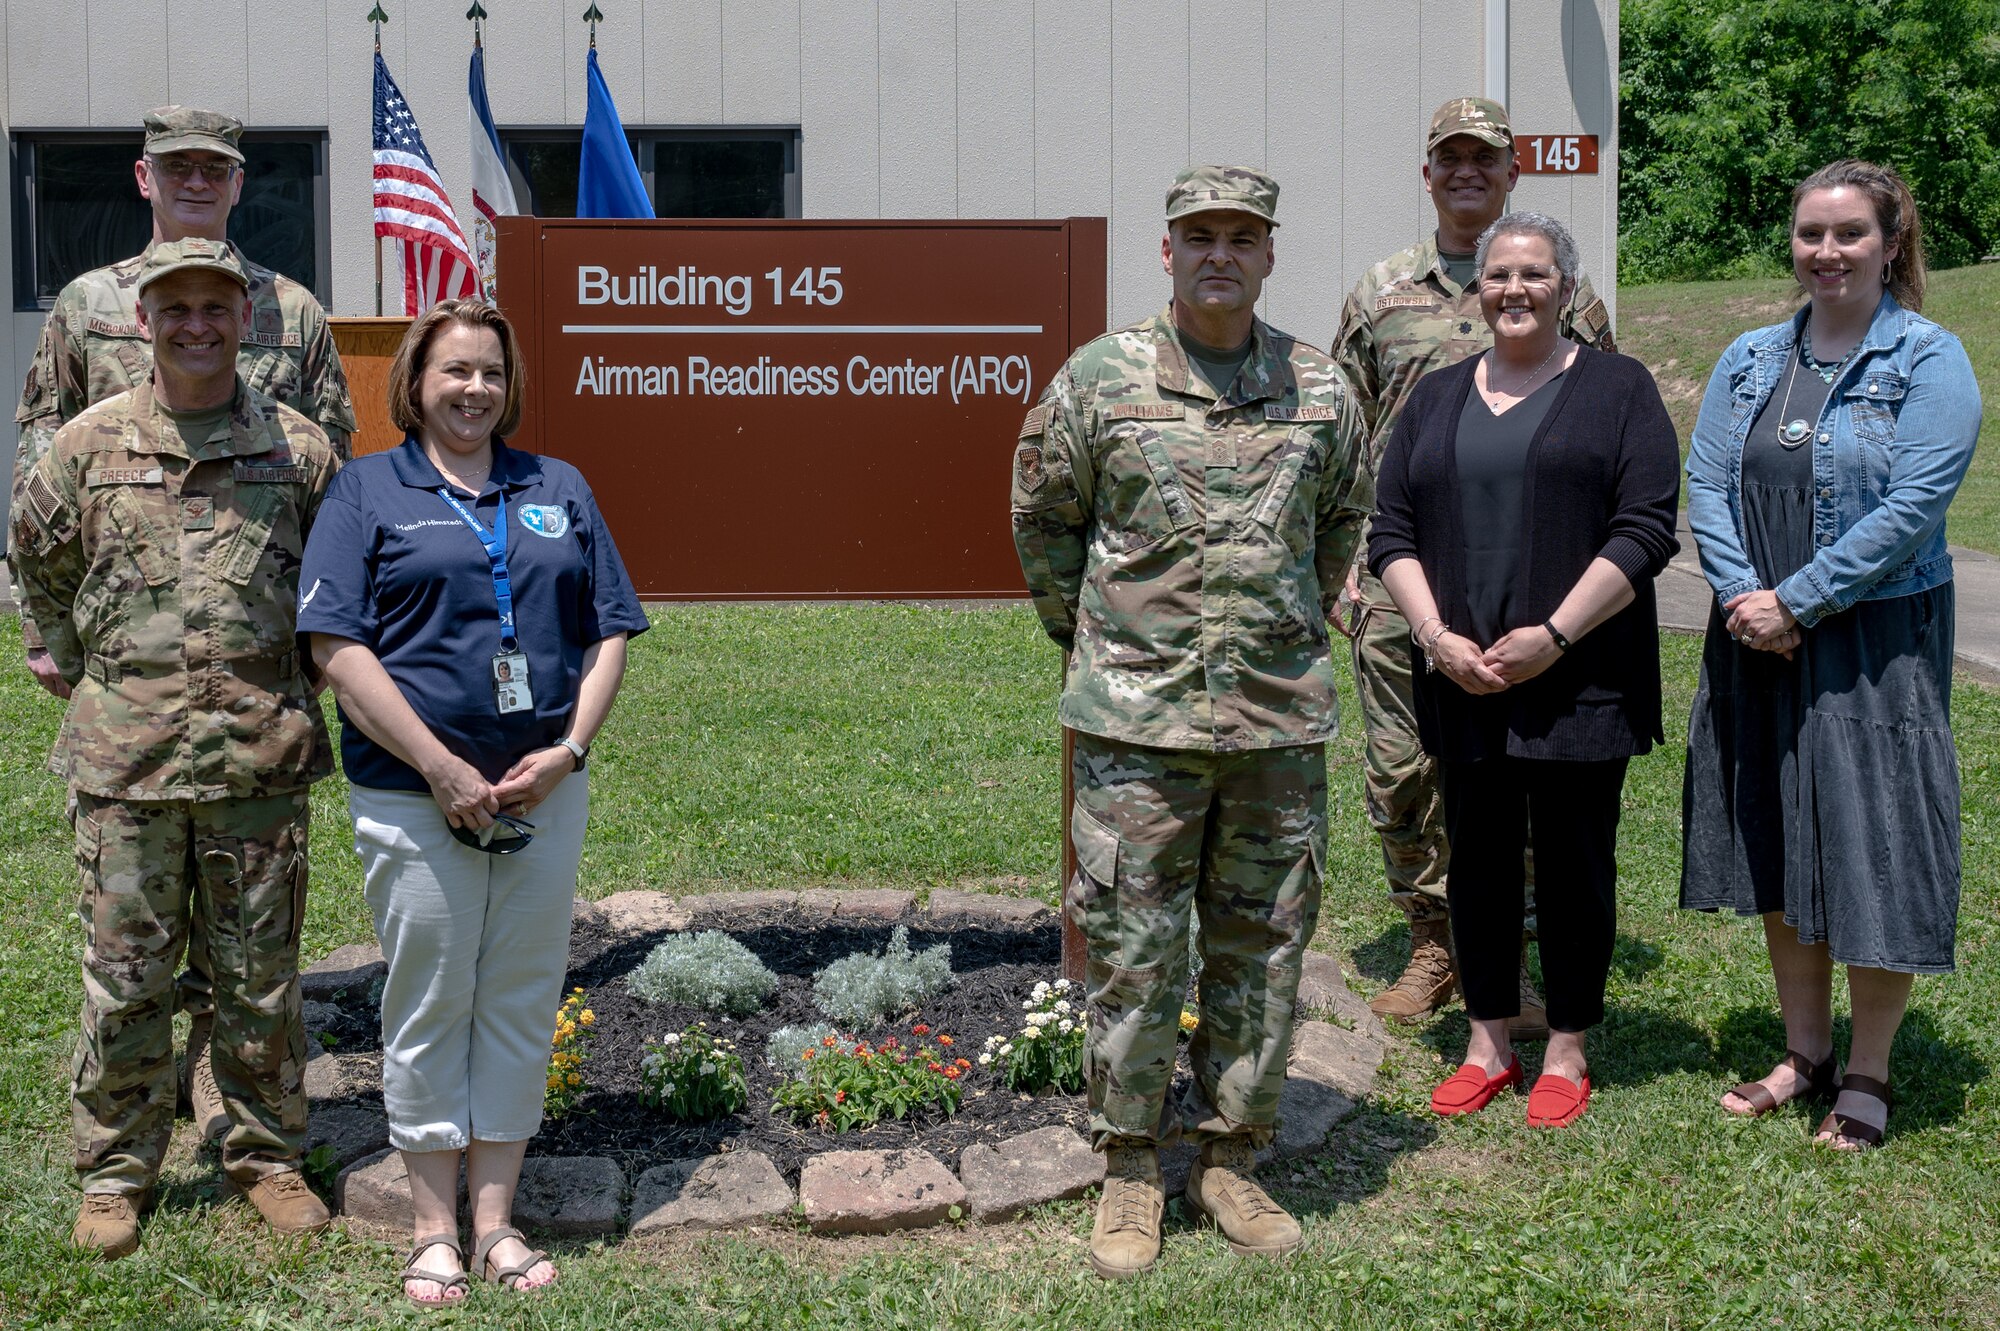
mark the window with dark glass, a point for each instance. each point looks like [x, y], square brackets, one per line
[77, 207]
[688, 173]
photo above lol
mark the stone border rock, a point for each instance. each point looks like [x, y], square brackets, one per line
[1333, 1063]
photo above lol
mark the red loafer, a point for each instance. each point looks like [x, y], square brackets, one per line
[1557, 1102]
[1469, 1089]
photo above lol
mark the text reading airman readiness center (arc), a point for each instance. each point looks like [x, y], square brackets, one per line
[711, 350]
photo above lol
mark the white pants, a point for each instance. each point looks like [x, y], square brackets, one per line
[477, 945]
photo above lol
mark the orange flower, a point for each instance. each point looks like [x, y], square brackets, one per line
[920, 1029]
[807, 1055]
[944, 1040]
[936, 1067]
[840, 1097]
[962, 1064]
[951, 1074]
[830, 1042]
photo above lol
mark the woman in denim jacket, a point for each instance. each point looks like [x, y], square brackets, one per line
[1822, 784]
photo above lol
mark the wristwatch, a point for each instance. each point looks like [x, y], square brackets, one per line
[581, 751]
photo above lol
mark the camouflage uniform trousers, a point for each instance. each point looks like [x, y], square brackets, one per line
[1239, 838]
[151, 871]
[1400, 781]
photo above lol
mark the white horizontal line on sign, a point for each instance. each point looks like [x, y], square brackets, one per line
[802, 328]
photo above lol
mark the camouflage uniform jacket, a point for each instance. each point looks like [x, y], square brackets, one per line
[1184, 549]
[165, 579]
[91, 349]
[1406, 317]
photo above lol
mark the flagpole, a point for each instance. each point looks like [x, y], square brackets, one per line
[378, 17]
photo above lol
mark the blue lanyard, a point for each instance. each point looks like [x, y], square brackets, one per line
[495, 542]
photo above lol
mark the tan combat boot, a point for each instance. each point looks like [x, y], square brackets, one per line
[1126, 1238]
[1426, 984]
[1221, 1190]
[284, 1200]
[108, 1224]
[211, 1119]
[1533, 1021]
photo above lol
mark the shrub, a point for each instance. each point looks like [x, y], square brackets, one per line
[852, 1084]
[568, 1049]
[708, 970]
[693, 1075]
[1048, 1049]
[860, 990]
[784, 1045]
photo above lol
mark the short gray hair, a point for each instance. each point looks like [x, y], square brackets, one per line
[1532, 224]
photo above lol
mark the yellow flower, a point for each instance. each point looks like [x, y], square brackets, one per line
[1189, 1020]
[588, 1018]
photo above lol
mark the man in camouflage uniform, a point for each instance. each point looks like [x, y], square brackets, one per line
[157, 542]
[91, 348]
[1186, 498]
[1415, 312]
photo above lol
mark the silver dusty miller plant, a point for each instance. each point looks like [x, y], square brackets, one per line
[859, 990]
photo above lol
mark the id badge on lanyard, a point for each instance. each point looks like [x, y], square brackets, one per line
[512, 690]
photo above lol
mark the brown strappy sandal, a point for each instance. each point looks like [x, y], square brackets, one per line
[1865, 1136]
[1822, 1079]
[508, 1277]
[456, 1280]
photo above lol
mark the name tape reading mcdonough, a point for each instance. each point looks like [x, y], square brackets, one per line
[963, 375]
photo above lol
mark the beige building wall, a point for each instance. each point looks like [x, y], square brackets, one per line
[906, 108]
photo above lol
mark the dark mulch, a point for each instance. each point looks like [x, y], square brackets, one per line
[994, 968]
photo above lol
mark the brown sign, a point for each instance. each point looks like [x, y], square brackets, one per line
[798, 409]
[1556, 154]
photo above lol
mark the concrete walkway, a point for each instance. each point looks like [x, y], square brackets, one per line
[1684, 601]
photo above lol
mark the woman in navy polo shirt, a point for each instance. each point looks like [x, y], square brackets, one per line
[470, 610]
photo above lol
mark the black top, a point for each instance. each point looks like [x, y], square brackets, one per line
[1800, 396]
[1602, 479]
[1492, 463]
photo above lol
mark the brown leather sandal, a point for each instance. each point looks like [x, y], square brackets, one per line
[1865, 1136]
[1822, 1079]
[509, 1277]
[455, 1280]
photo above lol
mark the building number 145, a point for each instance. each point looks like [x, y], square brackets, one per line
[812, 285]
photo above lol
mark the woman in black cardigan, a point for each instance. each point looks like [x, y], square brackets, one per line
[1524, 505]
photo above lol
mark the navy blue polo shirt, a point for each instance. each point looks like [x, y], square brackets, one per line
[392, 566]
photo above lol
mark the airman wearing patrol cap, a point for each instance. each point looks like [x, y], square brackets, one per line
[1187, 497]
[157, 541]
[1415, 312]
[91, 348]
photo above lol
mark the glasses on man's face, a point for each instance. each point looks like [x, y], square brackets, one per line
[180, 168]
[1498, 279]
[490, 840]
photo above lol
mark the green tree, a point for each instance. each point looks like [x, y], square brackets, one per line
[1726, 104]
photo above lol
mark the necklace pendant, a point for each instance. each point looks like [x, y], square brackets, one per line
[1794, 432]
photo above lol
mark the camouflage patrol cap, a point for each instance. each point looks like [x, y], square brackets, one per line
[172, 129]
[1201, 189]
[1482, 119]
[179, 256]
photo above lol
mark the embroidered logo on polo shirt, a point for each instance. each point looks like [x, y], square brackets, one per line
[550, 520]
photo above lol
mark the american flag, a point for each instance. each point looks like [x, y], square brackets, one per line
[411, 205]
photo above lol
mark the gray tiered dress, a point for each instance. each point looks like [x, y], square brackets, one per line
[1826, 786]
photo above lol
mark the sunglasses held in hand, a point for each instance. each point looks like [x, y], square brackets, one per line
[491, 842]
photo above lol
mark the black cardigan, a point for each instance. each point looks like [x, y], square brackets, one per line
[1603, 479]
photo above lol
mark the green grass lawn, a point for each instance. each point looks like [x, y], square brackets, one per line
[1680, 329]
[894, 745]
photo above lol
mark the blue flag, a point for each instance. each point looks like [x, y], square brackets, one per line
[607, 183]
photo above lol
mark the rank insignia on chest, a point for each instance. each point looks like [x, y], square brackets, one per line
[1028, 466]
[197, 513]
[1464, 327]
[268, 320]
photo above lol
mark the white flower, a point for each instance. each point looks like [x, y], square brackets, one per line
[672, 1039]
[986, 1060]
[1027, 1005]
[1041, 988]
[668, 1089]
[1006, 1049]
[1031, 1032]
[1067, 1026]
[1062, 986]
[1062, 1005]
[707, 1069]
